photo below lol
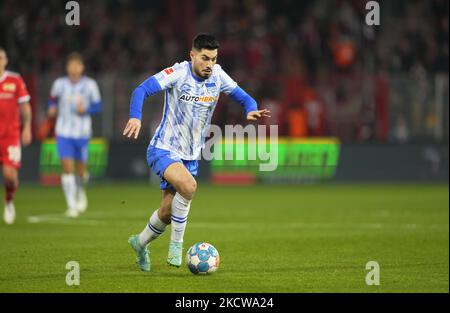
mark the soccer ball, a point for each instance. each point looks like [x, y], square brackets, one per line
[202, 258]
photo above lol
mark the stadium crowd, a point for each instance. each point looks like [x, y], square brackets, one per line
[316, 64]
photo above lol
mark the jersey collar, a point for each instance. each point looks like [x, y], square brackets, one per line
[195, 77]
[3, 77]
[77, 82]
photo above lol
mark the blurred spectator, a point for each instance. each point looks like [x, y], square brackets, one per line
[315, 113]
[286, 44]
[400, 130]
[298, 124]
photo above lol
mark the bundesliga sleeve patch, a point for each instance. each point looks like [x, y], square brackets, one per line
[169, 71]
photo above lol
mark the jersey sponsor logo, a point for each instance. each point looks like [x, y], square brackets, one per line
[9, 87]
[169, 70]
[6, 95]
[190, 98]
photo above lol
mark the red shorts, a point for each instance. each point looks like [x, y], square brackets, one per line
[10, 152]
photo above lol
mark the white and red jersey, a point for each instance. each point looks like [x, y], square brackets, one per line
[12, 93]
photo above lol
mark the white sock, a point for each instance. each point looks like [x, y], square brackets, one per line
[180, 211]
[82, 181]
[69, 187]
[152, 230]
[79, 181]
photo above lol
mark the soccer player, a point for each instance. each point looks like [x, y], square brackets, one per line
[73, 99]
[14, 101]
[191, 92]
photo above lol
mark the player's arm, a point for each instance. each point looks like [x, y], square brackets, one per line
[154, 84]
[52, 105]
[249, 104]
[45, 127]
[23, 100]
[138, 97]
[94, 108]
[163, 80]
[25, 110]
[95, 102]
[230, 87]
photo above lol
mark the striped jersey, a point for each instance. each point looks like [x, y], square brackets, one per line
[189, 103]
[67, 94]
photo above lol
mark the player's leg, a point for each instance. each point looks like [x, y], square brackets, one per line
[159, 219]
[155, 227]
[66, 154]
[159, 160]
[68, 182]
[10, 156]
[82, 176]
[81, 179]
[11, 181]
[180, 177]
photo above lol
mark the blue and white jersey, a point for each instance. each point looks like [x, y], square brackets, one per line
[67, 95]
[189, 104]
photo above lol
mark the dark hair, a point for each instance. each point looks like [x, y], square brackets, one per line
[75, 56]
[205, 41]
[2, 49]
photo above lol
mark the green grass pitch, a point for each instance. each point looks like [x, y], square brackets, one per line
[304, 238]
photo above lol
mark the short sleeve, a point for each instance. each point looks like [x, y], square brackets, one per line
[227, 84]
[94, 92]
[22, 94]
[168, 77]
[56, 89]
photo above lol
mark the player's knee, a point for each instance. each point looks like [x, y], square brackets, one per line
[11, 178]
[67, 166]
[188, 189]
[11, 181]
[67, 170]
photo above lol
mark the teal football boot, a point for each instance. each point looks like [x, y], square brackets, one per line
[175, 250]
[142, 254]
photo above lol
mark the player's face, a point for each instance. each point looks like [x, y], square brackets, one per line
[75, 69]
[3, 60]
[203, 62]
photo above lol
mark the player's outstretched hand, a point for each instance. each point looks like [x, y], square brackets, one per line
[254, 115]
[133, 127]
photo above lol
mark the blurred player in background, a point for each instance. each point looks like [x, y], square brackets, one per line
[14, 98]
[73, 98]
[191, 94]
